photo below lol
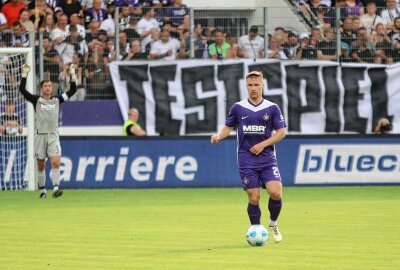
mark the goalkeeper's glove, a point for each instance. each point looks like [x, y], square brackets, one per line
[72, 72]
[25, 70]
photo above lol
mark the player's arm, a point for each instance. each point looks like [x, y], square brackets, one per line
[278, 123]
[230, 122]
[72, 86]
[22, 87]
[222, 134]
[274, 139]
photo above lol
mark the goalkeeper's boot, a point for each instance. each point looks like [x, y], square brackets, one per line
[57, 193]
[42, 195]
[276, 234]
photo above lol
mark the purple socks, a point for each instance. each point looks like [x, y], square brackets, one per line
[254, 212]
[274, 208]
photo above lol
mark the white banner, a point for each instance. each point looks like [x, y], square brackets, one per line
[348, 163]
[194, 96]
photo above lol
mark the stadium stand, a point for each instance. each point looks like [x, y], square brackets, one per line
[84, 32]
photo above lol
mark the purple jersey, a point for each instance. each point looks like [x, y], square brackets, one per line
[146, 3]
[255, 123]
[176, 14]
[131, 3]
[93, 15]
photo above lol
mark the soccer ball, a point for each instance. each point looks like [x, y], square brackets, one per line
[257, 235]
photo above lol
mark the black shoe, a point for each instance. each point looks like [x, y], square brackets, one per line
[42, 195]
[57, 193]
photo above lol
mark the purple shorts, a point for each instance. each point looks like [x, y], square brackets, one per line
[256, 178]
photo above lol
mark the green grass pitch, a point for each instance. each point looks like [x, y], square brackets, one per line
[323, 228]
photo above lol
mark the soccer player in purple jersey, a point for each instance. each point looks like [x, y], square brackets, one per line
[256, 119]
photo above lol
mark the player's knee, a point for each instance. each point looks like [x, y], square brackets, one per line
[40, 165]
[254, 199]
[55, 164]
[275, 195]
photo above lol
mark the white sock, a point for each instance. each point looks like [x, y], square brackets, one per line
[41, 176]
[55, 176]
[55, 188]
[273, 223]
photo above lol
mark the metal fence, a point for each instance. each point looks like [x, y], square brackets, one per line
[288, 33]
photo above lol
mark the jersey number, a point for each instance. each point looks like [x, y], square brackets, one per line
[276, 171]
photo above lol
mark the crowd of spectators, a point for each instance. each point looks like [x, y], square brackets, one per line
[368, 30]
[83, 32]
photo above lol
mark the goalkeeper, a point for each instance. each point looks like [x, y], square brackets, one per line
[47, 141]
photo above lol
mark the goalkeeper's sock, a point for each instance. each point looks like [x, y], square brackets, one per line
[55, 177]
[254, 213]
[274, 207]
[41, 175]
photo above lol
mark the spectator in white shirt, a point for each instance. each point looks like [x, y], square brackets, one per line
[74, 20]
[74, 44]
[370, 19]
[165, 48]
[146, 26]
[155, 36]
[108, 25]
[390, 13]
[252, 45]
[124, 17]
[60, 33]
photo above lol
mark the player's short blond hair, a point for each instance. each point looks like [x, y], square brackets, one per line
[255, 73]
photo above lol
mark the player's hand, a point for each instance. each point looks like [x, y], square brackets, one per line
[72, 69]
[72, 72]
[214, 139]
[257, 149]
[25, 70]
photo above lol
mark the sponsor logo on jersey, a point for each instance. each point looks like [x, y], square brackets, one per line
[344, 163]
[47, 107]
[254, 129]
